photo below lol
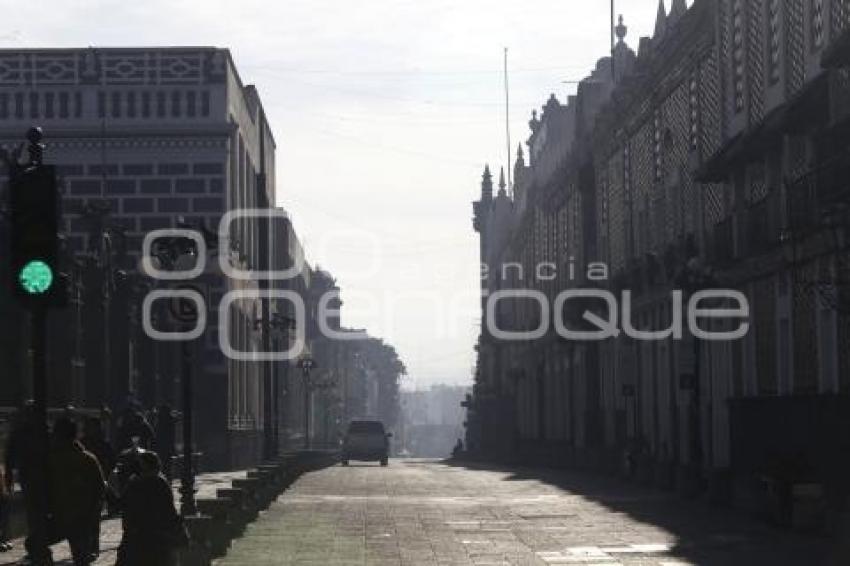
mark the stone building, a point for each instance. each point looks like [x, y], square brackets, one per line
[716, 158]
[143, 137]
[662, 123]
[776, 228]
[539, 397]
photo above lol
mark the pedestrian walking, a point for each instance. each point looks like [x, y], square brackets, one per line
[457, 451]
[134, 430]
[153, 531]
[95, 442]
[26, 456]
[126, 468]
[77, 490]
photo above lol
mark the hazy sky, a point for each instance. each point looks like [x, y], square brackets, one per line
[384, 113]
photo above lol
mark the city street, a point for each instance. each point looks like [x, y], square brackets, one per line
[247, 244]
[427, 512]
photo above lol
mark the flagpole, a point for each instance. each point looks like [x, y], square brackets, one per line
[613, 42]
[508, 122]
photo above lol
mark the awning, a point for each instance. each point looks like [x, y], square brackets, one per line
[805, 110]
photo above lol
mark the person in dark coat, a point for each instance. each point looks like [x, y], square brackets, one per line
[95, 442]
[152, 528]
[76, 488]
[134, 430]
[26, 457]
[5, 503]
[164, 439]
[127, 467]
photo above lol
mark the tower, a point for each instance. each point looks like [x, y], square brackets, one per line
[519, 166]
[486, 184]
[660, 21]
[624, 57]
[502, 185]
[677, 10]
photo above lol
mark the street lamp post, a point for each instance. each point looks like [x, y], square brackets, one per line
[97, 211]
[78, 364]
[169, 252]
[187, 476]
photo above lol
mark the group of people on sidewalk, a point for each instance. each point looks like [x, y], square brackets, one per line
[66, 483]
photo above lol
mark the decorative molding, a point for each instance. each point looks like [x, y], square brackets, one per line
[136, 143]
[154, 66]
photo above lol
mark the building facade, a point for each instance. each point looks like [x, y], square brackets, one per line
[146, 139]
[711, 158]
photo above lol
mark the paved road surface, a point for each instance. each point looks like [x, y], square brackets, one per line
[429, 513]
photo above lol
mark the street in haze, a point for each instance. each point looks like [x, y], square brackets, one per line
[594, 254]
[425, 512]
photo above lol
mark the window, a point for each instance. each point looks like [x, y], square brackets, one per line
[63, 104]
[116, 105]
[693, 101]
[205, 103]
[817, 24]
[101, 104]
[774, 16]
[175, 103]
[840, 15]
[643, 227]
[131, 104]
[191, 108]
[19, 105]
[828, 347]
[33, 105]
[48, 104]
[78, 105]
[784, 354]
[146, 104]
[656, 146]
[160, 104]
[4, 105]
[738, 52]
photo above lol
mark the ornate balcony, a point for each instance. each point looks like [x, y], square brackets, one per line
[819, 194]
[762, 228]
[724, 242]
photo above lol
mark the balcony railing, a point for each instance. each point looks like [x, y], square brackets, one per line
[819, 193]
[724, 241]
[762, 229]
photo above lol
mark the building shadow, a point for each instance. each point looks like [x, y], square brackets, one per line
[704, 534]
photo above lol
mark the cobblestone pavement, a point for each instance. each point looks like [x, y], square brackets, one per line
[110, 530]
[428, 513]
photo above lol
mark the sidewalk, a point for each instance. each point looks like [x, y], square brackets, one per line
[110, 530]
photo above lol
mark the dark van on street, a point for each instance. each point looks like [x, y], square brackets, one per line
[366, 440]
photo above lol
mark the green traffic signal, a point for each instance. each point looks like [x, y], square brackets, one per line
[36, 277]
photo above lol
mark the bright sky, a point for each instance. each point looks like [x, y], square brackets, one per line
[384, 113]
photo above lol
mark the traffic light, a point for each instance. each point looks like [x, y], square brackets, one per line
[34, 239]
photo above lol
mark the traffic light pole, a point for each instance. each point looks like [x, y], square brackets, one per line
[35, 281]
[39, 366]
[40, 497]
